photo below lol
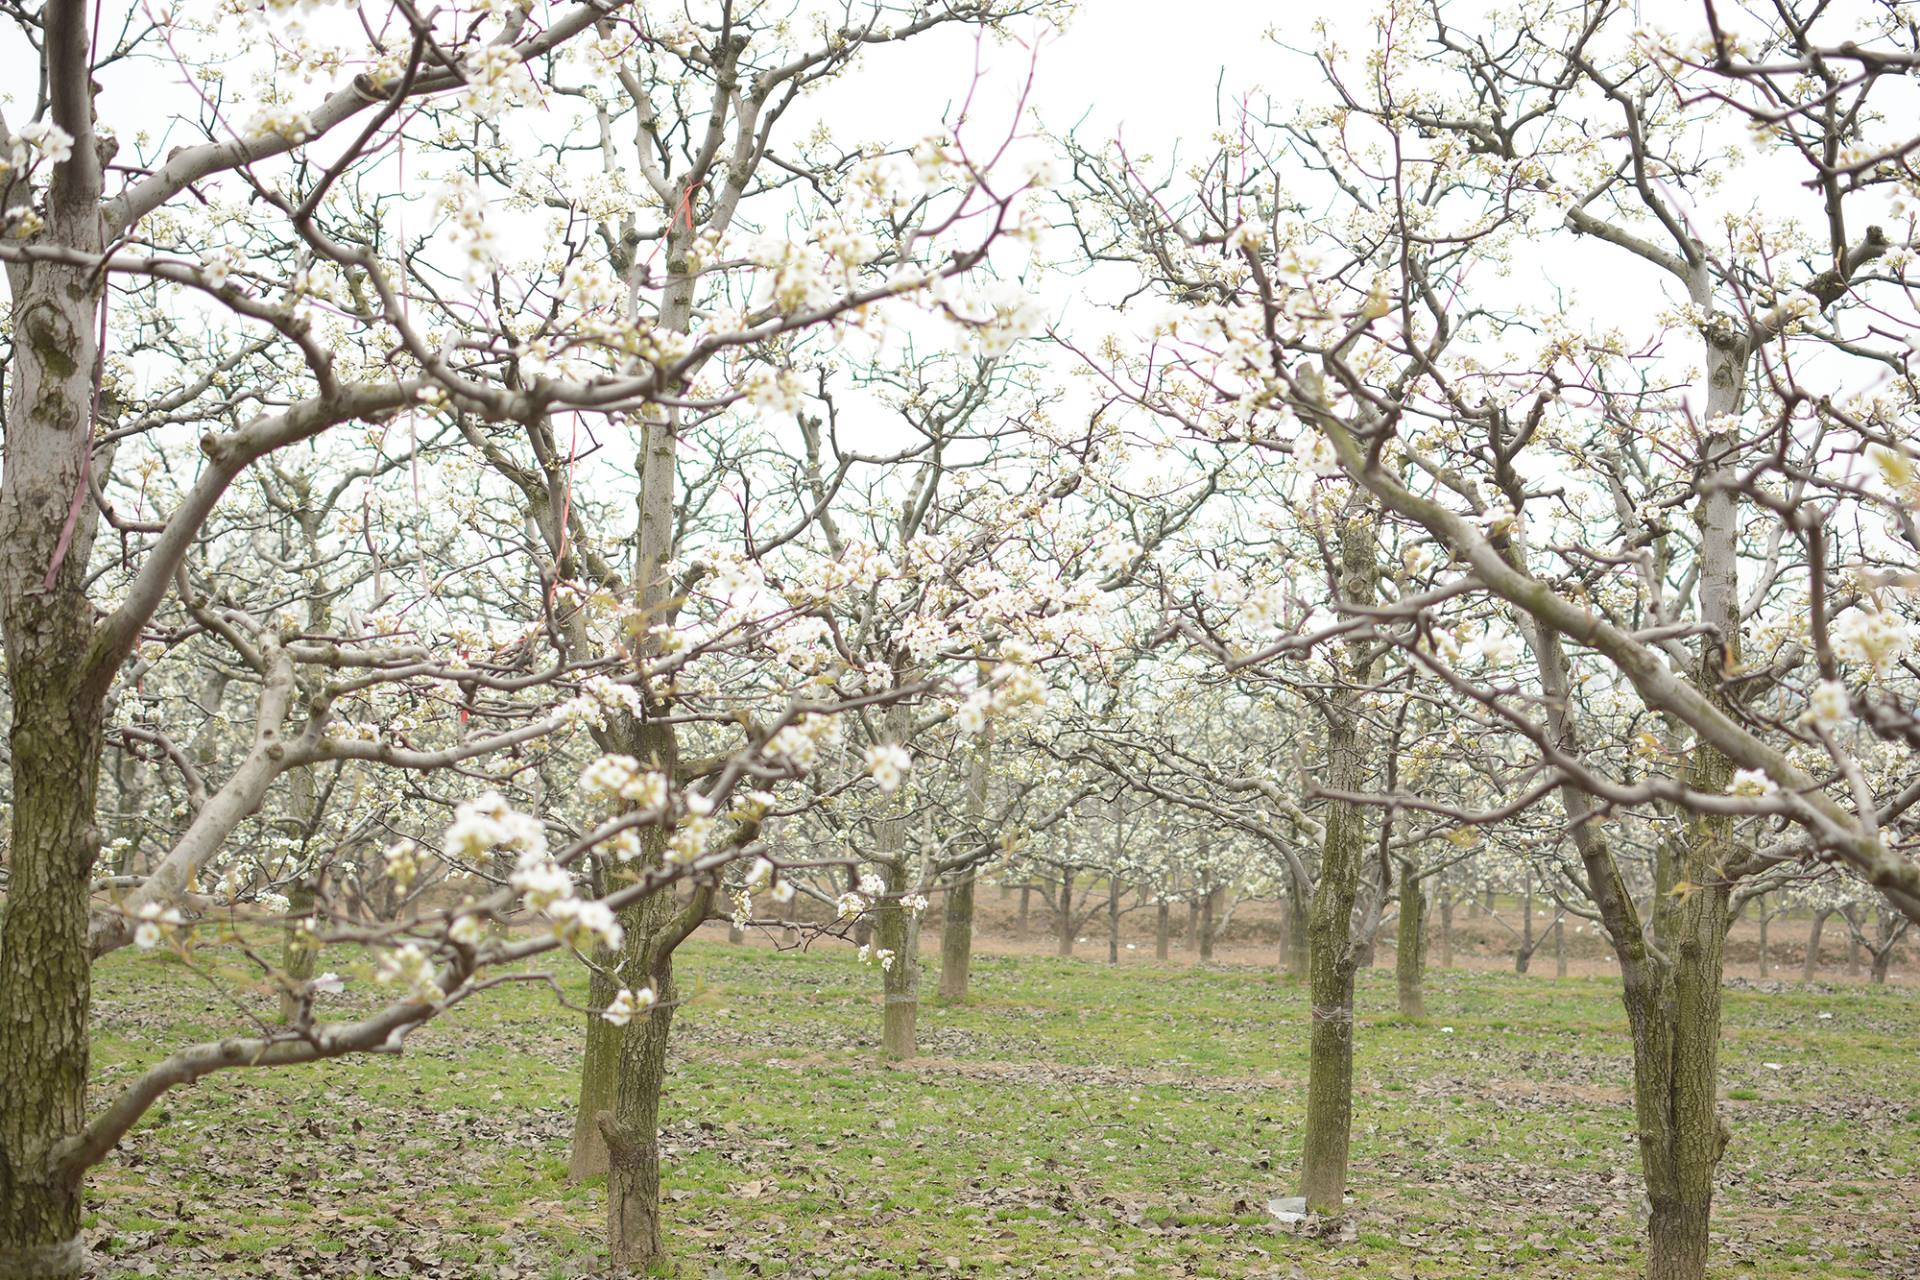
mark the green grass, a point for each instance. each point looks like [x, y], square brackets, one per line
[1069, 1121]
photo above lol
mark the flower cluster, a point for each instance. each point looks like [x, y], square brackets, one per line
[888, 763]
[1872, 636]
[42, 138]
[156, 922]
[625, 1004]
[613, 779]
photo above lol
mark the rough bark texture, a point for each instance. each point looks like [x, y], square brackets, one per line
[631, 1127]
[895, 930]
[57, 733]
[1410, 954]
[956, 927]
[1298, 925]
[1162, 929]
[1323, 1178]
[956, 940]
[599, 1071]
[1446, 931]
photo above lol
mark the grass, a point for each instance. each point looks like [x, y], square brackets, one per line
[1069, 1120]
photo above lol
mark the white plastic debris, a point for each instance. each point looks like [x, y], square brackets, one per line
[1288, 1211]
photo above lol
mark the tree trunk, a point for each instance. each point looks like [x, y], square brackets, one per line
[599, 1073]
[45, 970]
[956, 939]
[1813, 946]
[897, 931]
[1329, 1118]
[1063, 940]
[1410, 948]
[1446, 930]
[1853, 942]
[1113, 922]
[1299, 929]
[1560, 946]
[607, 1046]
[1162, 928]
[1673, 1010]
[630, 1130]
[1192, 935]
[1206, 926]
[1523, 960]
[300, 954]
[1760, 913]
[1026, 900]
[58, 706]
[956, 926]
[1882, 962]
[1676, 1045]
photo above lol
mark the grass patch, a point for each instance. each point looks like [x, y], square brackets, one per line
[1069, 1120]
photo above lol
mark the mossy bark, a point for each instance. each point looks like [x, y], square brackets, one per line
[599, 1071]
[956, 939]
[896, 930]
[630, 1128]
[1673, 1010]
[58, 717]
[1332, 959]
[956, 926]
[1410, 947]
